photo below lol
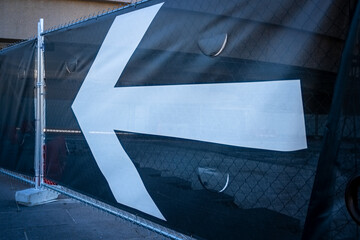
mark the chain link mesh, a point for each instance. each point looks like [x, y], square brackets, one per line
[273, 33]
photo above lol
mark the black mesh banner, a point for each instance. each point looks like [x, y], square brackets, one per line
[207, 117]
[17, 127]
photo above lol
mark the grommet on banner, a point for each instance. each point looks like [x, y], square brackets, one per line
[213, 180]
[213, 46]
[352, 199]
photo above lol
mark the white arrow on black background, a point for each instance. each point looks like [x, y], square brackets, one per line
[264, 115]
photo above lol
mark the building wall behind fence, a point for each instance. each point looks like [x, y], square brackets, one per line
[18, 18]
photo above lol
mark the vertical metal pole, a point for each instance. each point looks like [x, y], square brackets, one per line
[39, 108]
[42, 103]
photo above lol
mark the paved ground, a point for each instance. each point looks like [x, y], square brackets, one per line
[62, 219]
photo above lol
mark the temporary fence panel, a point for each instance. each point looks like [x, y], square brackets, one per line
[207, 117]
[17, 127]
[337, 168]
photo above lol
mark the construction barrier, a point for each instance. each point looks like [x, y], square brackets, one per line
[216, 119]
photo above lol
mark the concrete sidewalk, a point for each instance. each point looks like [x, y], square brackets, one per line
[62, 219]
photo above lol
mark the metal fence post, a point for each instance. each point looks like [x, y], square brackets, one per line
[39, 108]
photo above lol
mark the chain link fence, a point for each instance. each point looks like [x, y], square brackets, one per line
[268, 40]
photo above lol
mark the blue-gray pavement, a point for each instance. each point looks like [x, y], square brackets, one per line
[62, 219]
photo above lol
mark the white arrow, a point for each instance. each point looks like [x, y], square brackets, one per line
[95, 111]
[265, 115]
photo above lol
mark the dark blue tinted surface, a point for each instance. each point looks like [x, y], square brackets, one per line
[17, 126]
[203, 189]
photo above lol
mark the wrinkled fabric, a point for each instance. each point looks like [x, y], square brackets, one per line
[206, 189]
[17, 125]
